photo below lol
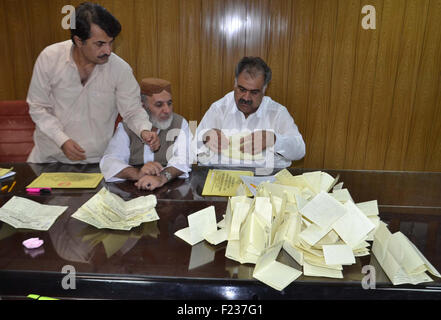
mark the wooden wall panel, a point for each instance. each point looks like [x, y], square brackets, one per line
[409, 58]
[279, 17]
[362, 90]
[299, 66]
[322, 53]
[146, 44]
[212, 48]
[386, 71]
[7, 83]
[343, 67]
[362, 99]
[427, 92]
[190, 59]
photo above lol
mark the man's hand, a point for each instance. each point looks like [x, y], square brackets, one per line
[257, 142]
[152, 168]
[73, 150]
[215, 140]
[152, 139]
[150, 182]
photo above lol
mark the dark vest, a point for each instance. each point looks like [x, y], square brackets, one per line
[137, 144]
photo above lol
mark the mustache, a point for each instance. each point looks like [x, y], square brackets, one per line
[247, 102]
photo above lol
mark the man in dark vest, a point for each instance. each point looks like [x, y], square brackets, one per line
[127, 157]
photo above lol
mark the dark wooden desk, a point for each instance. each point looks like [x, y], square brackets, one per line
[149, 262]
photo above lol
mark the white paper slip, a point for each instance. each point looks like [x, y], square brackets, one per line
[216, 237]
[27, 214]
[338, 254]
[273, 273]
[202, 223]
[316, 271]
[323, 210]
[185, 235]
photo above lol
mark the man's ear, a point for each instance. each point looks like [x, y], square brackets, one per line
[78, 42]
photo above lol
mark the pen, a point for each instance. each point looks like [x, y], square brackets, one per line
[12, 186]
[4, 187]
[39, 190]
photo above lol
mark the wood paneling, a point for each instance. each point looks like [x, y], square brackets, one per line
[362, 99]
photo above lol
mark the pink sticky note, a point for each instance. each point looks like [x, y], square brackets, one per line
[33, 243]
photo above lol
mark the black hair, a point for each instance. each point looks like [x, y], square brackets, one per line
[254, 65]
[86, 14]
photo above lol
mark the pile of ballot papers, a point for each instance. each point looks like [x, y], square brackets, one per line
[309, 216]
[107, 210]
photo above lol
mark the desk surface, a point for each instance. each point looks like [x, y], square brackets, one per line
[150, 262]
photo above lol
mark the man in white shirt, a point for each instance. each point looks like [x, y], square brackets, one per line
[127, 158]
[77, 89]
[247, 128]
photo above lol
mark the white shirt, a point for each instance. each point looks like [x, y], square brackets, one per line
[117, 155]
[62, 108]
[271, 116]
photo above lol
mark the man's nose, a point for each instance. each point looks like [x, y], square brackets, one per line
[108, 49]
[247, 96]
[166, 109]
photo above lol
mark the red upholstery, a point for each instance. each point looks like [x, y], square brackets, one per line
[16, 130]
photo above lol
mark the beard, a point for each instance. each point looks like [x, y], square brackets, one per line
[160, 124]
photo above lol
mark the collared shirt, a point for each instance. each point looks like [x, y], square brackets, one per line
[271, 116]
[62, 108]
[117, 155]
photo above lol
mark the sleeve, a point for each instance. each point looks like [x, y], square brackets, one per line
[117, 154]
[128, 99]
[209, 121]
[181, 157]
[40, 106]
[289, 141]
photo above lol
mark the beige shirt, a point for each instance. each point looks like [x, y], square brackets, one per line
[62, 108]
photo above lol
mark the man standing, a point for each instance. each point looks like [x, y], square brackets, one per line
[127, 158]
[247, 128]
[77, 89]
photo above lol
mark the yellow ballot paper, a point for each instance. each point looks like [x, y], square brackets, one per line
[4, 171]
[224, 182]
[69, 180]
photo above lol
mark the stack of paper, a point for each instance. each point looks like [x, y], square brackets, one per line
[6, 173]
[400, 259]
[233, 151]
[27, 214]
[316, 222]
[107, 210]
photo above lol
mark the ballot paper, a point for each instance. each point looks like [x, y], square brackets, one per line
[400, 259]
[223, 182]
[6, 173]
[66, 180]
[28, 214]
[201, 224]
[107, 210]
[273, 273]
[233, 151]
